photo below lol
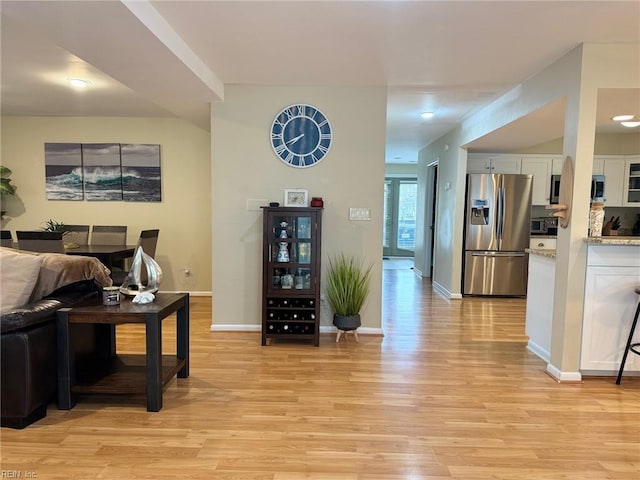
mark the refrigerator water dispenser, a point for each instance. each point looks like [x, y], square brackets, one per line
[479, 213]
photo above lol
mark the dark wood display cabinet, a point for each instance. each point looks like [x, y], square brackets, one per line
[291, 273]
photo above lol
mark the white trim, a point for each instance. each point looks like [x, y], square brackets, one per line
[235, 328]
[443, 291]
[533, 347]
[191, 294]
[257, 328]
[560, 376]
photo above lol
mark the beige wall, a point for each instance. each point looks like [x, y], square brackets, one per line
[183, 216]
[244, 167]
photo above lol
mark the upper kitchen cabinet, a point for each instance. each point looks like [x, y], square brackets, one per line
[540, 168]
[614, 171]
[482, 163]
[632, 184]
[598, 165]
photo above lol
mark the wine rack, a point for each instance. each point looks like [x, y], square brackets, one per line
[291, 274]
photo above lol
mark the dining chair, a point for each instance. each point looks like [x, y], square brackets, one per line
[148, 240]
[37, 241]
[109, 235]
[6, 240]
[77, 234]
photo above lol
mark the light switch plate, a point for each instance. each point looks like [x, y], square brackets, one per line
[359, 213]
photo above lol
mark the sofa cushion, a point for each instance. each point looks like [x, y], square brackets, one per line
[18, 276]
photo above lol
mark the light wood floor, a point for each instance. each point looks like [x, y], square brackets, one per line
[450, 392]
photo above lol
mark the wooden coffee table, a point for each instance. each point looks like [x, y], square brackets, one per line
[87, 358]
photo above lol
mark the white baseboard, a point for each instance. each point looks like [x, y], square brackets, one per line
[191, 294]
[235, 328]
[539, 351]
[257, 328]
[561, 377]
[444, 292]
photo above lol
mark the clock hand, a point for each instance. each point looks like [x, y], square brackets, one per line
[294, 139]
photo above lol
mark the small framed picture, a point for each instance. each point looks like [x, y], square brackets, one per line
[296, 197]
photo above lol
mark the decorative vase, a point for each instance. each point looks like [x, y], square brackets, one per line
[346, 323]
[596, 219]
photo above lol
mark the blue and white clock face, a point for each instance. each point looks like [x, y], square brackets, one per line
[301, 135]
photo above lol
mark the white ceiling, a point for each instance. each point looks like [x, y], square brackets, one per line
[171, 58]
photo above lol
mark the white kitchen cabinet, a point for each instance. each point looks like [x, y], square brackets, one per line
[556, 165]
[613, 272]
[540, 168]
[482, 163]
[598, 165]
[614, 170]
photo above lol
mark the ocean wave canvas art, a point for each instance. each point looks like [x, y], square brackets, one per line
[141, 181]
[103, 171]
[63, 171]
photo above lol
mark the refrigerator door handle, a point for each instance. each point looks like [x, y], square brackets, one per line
[498, 254]
[499, 214]
[502, 206]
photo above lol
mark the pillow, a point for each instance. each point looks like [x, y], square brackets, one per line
[59, 269]
[18, 276]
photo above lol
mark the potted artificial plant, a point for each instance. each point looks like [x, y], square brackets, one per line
[6, 187]
[54, 226]
[347, 289]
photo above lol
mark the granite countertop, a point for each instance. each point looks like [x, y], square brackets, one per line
[612, 240]
[542, 252]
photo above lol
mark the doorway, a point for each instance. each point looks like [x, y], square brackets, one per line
[431, 197]
[399, 228]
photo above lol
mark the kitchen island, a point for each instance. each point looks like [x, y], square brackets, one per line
[612, 274]
[539, 312]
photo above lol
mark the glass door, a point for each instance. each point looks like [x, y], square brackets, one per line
[399, 229]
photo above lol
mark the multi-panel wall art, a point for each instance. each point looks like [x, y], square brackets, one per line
[103, 171]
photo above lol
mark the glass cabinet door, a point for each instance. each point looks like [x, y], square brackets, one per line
[290, 254]
[633, 188]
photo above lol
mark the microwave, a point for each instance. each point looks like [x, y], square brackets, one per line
[544, 226]
[597, 189]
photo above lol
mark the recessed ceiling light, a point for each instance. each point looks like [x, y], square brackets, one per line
[622, 118]
[630, 124]
[78, 82]
[427, 114]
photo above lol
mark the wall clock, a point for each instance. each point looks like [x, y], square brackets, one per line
[301, 135]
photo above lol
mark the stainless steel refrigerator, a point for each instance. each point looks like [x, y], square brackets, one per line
[497, 229]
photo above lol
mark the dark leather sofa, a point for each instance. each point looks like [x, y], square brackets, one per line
[28, 353]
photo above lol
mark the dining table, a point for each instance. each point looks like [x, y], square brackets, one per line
[107, 254]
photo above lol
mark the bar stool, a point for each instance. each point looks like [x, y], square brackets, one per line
[630, 346]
